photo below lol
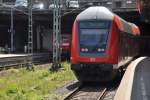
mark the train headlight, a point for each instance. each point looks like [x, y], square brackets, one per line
[99, 50]
[82, 49]
[102, 50]
[86, 49]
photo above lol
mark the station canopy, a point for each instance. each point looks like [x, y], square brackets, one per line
[72, 4]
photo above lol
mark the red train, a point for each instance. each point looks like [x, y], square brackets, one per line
[65, 43]
[102, 42]
[144, 9]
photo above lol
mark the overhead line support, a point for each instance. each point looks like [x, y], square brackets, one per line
[56, 35]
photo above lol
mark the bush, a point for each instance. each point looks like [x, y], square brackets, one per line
[2, 50]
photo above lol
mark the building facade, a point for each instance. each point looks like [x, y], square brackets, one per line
[43, 22]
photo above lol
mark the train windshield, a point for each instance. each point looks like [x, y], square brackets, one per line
[93, 37]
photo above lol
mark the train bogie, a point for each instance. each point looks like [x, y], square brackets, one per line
[94, 72]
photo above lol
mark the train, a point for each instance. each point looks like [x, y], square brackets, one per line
[102, 43]
[144, 10]
[65, 46]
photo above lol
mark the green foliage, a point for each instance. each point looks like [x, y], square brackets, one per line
[21, 84]
[2, 50]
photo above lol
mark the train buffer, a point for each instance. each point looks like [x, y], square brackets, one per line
[135, 84]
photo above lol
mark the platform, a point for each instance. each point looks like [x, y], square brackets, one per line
[135, 84]
[11, 55]
[21, 55]
[7, 60]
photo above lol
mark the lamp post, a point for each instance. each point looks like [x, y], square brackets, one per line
[12, 30]
[112, 4]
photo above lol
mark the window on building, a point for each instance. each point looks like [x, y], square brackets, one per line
[9, 1]
[118, 3]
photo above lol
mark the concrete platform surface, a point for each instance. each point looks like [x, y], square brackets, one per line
[135, 84]
[20, 55]
[141, 82]
[11, 55]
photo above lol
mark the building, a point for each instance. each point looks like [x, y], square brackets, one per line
[42, 21]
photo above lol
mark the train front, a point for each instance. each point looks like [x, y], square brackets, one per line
[93, 49]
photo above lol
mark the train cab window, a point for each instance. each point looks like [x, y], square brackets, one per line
[93, 37]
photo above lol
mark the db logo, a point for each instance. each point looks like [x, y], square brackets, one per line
[92, 59]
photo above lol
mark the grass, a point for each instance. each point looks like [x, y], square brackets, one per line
[20, 84]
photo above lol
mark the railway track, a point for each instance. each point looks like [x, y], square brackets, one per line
[9, 62]
[88, 93]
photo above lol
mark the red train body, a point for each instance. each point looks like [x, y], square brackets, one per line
[144, 9]
[101, 40]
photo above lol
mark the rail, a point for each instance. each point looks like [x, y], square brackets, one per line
[87, 93]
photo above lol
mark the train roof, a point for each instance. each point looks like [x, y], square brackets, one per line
[126, 27]
[97, 12]
[103, 13]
